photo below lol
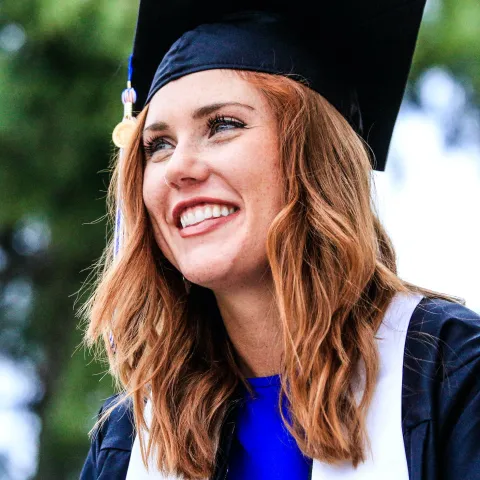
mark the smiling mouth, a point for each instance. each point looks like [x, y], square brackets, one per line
[202, 213]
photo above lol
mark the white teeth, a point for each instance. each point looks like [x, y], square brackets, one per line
[199, 217]
[216, 211]
[199, 214]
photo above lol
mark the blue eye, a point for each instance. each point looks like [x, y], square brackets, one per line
[217, 124]
[220, 123]
[154, 145]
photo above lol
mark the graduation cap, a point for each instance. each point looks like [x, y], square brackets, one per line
[357, 54]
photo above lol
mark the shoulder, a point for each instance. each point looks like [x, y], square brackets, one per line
[112, 442]
[441, 367]
[441, 391]
[442, 337]
[118, 429]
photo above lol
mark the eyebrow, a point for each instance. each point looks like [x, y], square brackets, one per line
[198, 113]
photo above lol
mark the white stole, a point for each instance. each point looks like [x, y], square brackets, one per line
[386, 457]
[136, 467]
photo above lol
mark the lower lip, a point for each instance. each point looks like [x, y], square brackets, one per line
[207, 225]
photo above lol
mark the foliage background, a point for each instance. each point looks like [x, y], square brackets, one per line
[62, 69]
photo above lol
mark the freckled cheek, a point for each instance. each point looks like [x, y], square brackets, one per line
[253, 159]
[154, 195]
[260, 173]
[153, 201]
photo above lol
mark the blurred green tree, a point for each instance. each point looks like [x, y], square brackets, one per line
[62, 69]
[60, 96]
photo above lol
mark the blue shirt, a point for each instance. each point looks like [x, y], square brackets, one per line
[262, 448]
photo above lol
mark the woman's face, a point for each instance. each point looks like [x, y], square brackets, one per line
[212, 180]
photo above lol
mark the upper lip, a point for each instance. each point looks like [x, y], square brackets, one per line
[191, 202]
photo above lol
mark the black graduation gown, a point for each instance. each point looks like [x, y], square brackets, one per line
[440, 403]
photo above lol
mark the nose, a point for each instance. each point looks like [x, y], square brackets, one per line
[185, 168]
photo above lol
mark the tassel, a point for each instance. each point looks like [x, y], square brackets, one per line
[121, 137]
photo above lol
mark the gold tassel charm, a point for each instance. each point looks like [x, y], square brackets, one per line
[123, 132]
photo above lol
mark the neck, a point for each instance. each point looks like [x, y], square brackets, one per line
[251, 318]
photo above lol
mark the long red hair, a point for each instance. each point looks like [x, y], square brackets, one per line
[334, 272]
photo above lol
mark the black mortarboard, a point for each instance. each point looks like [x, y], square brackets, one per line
[357, 54]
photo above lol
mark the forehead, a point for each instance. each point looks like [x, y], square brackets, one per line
[198, 89]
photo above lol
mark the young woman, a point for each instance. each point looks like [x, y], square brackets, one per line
[260, 330]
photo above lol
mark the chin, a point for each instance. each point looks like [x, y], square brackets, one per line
[213, 266]
[227, 275]
[212, 276]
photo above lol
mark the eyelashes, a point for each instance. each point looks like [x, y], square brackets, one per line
[222, 120]
[216, 124]
[153, 145]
